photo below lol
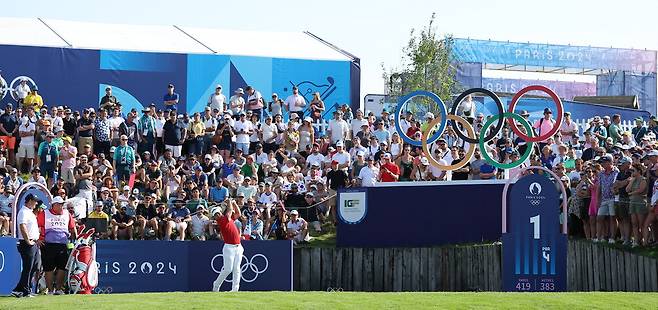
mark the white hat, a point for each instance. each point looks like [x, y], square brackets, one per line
[652, 153]
[339, 143]
[294, 115]
[104, 189]
[360, 153]
[208, 156]
[294, 212]
[239, 91]
[218, 86]
[57, 199]
[386, 155]
[429, 115]
[308, 119]
[126, 188]
[424, 161]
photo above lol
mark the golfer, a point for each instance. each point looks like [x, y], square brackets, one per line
[232, 251]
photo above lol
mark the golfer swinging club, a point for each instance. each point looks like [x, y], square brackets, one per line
[232, 251]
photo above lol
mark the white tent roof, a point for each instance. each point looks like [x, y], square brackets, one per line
[32, 32]
[167, 39]
[271, 44]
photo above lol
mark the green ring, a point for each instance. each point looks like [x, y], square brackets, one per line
[528, 150]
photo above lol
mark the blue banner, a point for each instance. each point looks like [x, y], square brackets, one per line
[549, 55]
[420, 215]
[10, 265]
[78, 77]
[564, 89]
[534, 249]
[158, 266]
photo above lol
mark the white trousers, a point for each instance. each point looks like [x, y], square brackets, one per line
[232, 254]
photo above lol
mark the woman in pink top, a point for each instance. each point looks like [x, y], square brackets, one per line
[594, 198]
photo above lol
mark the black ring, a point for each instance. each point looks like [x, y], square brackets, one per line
[501, 111]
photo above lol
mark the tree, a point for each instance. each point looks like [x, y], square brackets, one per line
[426, 65]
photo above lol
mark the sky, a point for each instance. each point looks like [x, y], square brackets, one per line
[376, 31]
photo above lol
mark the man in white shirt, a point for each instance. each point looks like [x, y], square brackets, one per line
[268, 132]
[115, 121]
[210, 123]
[22, 90]
[568, 129]
[243, 128]
[315, 157]
[26, 147]
[338, 127]
[295, 103]
[357, 123]
[368, 174]
[28, 247]
[217, 100]
[341, 156]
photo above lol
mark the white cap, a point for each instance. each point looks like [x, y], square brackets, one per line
[218, 86]
[339, 143]
[126, 188]
[386, 155]
[104, 189]
[57, 199]
[360, 153]
[294, 212]
[424, 161]
[308, 119]
[429, 115]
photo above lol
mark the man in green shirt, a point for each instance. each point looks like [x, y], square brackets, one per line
[614, 129]
[196, 200]
[124, 160]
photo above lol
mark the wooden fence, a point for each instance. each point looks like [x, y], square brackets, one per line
[464, 268]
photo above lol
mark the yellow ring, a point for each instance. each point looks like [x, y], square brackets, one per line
[471, 146]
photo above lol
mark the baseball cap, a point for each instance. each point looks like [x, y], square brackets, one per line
[57, 199]
[200, 207]
[625, 160]
[309, 194]
[360, 153]
[294, 212]
[339, 143]
[386, 155]
[126, 188]
[429, 115]
[424, 161]
[548, 110]
[32, 197]
[104, 189]
[240, 91]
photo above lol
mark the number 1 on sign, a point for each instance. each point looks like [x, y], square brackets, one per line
[535, 223]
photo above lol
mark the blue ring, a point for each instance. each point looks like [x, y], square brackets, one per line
[443, 115]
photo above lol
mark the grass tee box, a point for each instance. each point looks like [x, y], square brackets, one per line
[344, 300]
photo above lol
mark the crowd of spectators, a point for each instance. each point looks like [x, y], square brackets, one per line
[161, 173]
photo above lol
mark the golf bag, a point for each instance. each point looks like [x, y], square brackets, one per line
[82, 270]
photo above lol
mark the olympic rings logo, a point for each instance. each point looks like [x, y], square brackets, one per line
[482, 137]
[103, 290]
[9, 88]
[246, 265]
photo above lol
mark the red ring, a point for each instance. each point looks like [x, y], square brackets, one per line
[558, 120]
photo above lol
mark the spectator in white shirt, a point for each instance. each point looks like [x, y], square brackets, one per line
[368, 174]
[217, 100]
[338, 128]
[341, 156]
[295, 103]
[243, 129]
[22, 90]
[357, 123]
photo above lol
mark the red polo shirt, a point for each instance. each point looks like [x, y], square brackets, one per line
[229, 230]
[387, 177]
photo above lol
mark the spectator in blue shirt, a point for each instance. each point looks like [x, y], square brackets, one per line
[218, 193]
[178, 217]
[170, 98]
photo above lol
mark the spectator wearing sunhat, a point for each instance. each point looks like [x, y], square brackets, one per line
[237, 103]
[146, 129]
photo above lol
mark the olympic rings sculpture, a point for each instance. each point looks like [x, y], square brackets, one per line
[444, 118]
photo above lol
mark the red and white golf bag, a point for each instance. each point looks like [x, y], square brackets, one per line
[81, 266]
